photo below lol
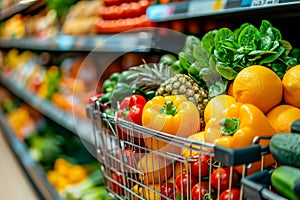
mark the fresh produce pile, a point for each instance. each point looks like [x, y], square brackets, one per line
[69, 167]
[51, 82]
[116, 16]
[225, 89]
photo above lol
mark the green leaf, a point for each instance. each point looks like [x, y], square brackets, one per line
[274, 33]
[275, 45]
[237, 31]
[194, 73]
[238, 68]
[249, 37]
[266, 29]
[190, 43]
[260, 52]
[273, 57]
[229, 45]
[223, 56]
[265, 43]
[209, 77]
[290, 62]
[295, 53]
[286, 45]
[226, 71]
[265, 25]
[201, 55]
[208, 42]
[223, 34]
[186, 58]
[218, 88]
[212, 64]
[176, 67]
[278, 67]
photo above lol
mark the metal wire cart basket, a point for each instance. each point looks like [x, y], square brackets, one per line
[133, 171]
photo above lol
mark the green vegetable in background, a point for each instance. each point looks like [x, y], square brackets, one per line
[90, 189]
[46, 147]
[109, 86]
[60, 6]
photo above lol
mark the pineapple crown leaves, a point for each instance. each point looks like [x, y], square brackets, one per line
[149, 76]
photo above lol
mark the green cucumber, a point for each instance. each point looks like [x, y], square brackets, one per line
[286, 181]
[295, 127]
[285, 148]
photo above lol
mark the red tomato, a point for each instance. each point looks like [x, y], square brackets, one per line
[184, 183]
[167, 189]
[223, 175]
[200, 190]
[234, 194]
[117, 178]
[200, 163]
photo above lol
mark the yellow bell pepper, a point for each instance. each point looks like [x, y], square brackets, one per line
[172, 114]
[238, 126]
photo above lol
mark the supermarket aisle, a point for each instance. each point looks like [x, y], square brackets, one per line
[13, 183]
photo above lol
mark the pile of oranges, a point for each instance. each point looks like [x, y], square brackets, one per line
[278, 98]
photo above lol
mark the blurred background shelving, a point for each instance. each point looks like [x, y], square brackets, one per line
[70, 40]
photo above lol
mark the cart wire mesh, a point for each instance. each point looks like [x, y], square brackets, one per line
[133, 170]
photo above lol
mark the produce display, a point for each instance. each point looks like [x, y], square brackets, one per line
[77, 22]
[68, 166]
[223, 89]
[42, 25]
[119, 16]
[50, 82]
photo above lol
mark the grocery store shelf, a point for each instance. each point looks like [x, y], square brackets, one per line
[203, 8]
[80, 127]
[136, 42]
[33, 170]
[19, 7]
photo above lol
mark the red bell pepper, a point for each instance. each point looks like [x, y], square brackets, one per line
[131, 108]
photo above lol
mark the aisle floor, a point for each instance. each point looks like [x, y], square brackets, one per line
[14, 185]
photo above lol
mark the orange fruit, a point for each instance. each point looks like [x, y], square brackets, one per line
[217, 105]
[154, 168]
[281, 117]
[258, 85]
[291, 86]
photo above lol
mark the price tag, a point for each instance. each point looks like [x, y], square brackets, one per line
[256, 3]
[200, 6]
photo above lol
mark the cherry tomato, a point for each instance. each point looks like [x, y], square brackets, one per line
[117, 178]
[167, 189]
[223, 175]
[200, 163]
[234, 194]
[184, 183]
[200, 190]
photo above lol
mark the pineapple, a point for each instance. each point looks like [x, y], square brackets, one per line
[164, 81]
[184, 85]
[148, 78]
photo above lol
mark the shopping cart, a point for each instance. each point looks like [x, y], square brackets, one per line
[131, 170]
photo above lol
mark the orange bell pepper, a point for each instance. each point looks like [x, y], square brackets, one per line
[238, 126]
[172, 114]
